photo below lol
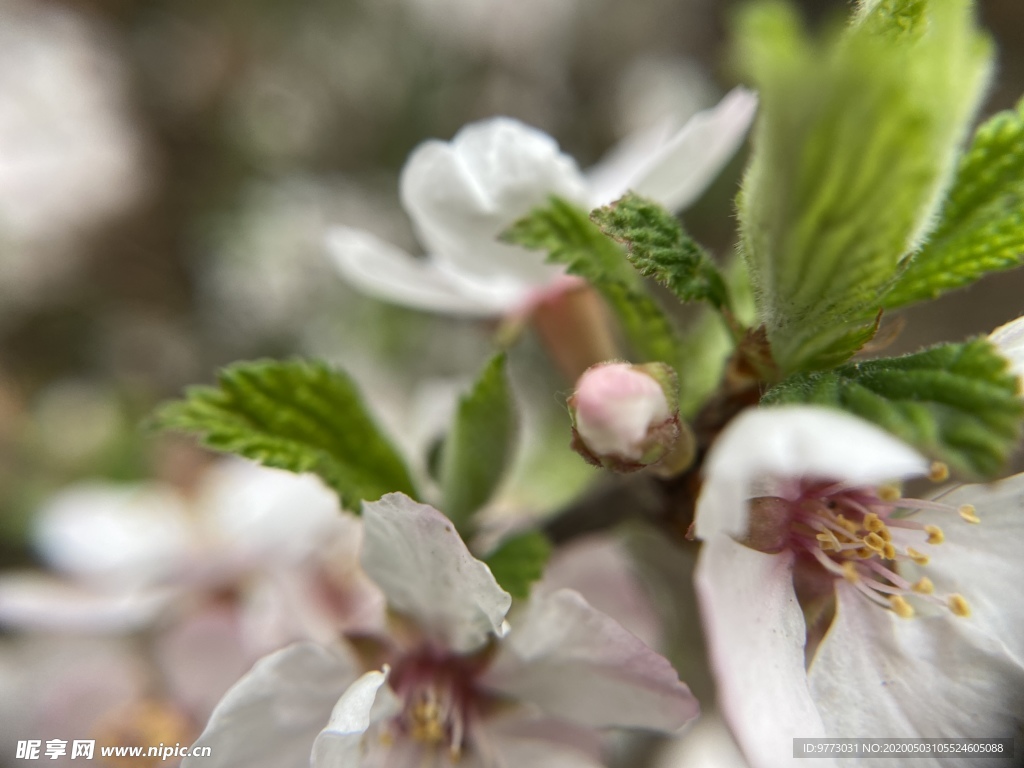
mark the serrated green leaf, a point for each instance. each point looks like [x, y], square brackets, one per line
[955, 402]
[855, 145]
[479, 446]
[657, 247]
[519, 562]
[298, 415]
[570, 238]
[981, 228]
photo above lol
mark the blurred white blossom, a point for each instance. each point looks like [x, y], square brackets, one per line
[462, 194]
[71, 157]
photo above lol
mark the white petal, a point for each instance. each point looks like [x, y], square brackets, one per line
[876, 674]
[123, 535]
[792, 443]
[600, 569]
[708, 744]
[367, 701]
[271, 717]
[415, 555]
[277, 516]
[201, 657]
[1009, 338]
[581, 665]
[461, 195]
[389, 273]
[979, 561]
[679, 171]
[32, 601]
[755, 635]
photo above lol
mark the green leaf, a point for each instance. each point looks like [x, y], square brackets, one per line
[298, 415]
[856, 143]
[519, 562]
[981, 229]
[479, 446]
[570, 238]
[955, 402]
[658, 247]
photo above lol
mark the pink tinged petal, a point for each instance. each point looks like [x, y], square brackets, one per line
[32, 601]
[581, 665]
[461, 195]
[417, 558]
[386, 272]
[123, 535]
[201, 657]
[979, 561]
[536, 754]
[271, 717]
[1009, 339]
[600, 569]
[366, 702]
[793, 443]
[878, 675]
[679, 172]
[755, 635]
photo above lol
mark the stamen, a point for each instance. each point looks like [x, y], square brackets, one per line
[874, 542]
[901, 607]
[916, 556]
[924, 586]
[889, 492]
[889, 551]
[968, 513]
[958, 605]
[850, 572]
[935, 534]
[873, 522]
[938, 473]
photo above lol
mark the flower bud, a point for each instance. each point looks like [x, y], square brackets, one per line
[625, 416]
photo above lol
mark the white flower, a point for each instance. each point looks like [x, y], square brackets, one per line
[70, 157]
[1009, 339]
[925, 639]
[462, 194]
[443, 689]
[126, 553]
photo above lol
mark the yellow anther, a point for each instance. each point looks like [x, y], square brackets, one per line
[889, 551]
[850, 572]
[939, 472]
[935, 534]
[874, 542]
[968, 513]
[828, 541]
[916, 556]
[924, 586]
[889, 492]
[427, 725]
[864, 553]
[901, 607]
[886, 536]
[873, 522]
[847, 525]
[958, 605]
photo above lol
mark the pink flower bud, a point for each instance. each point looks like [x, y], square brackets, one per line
[624, 416]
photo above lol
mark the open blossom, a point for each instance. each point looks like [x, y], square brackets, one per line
[452, 683]
[835, 608]
[462, 194]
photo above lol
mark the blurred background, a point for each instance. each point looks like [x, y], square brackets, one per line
[168, 169]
